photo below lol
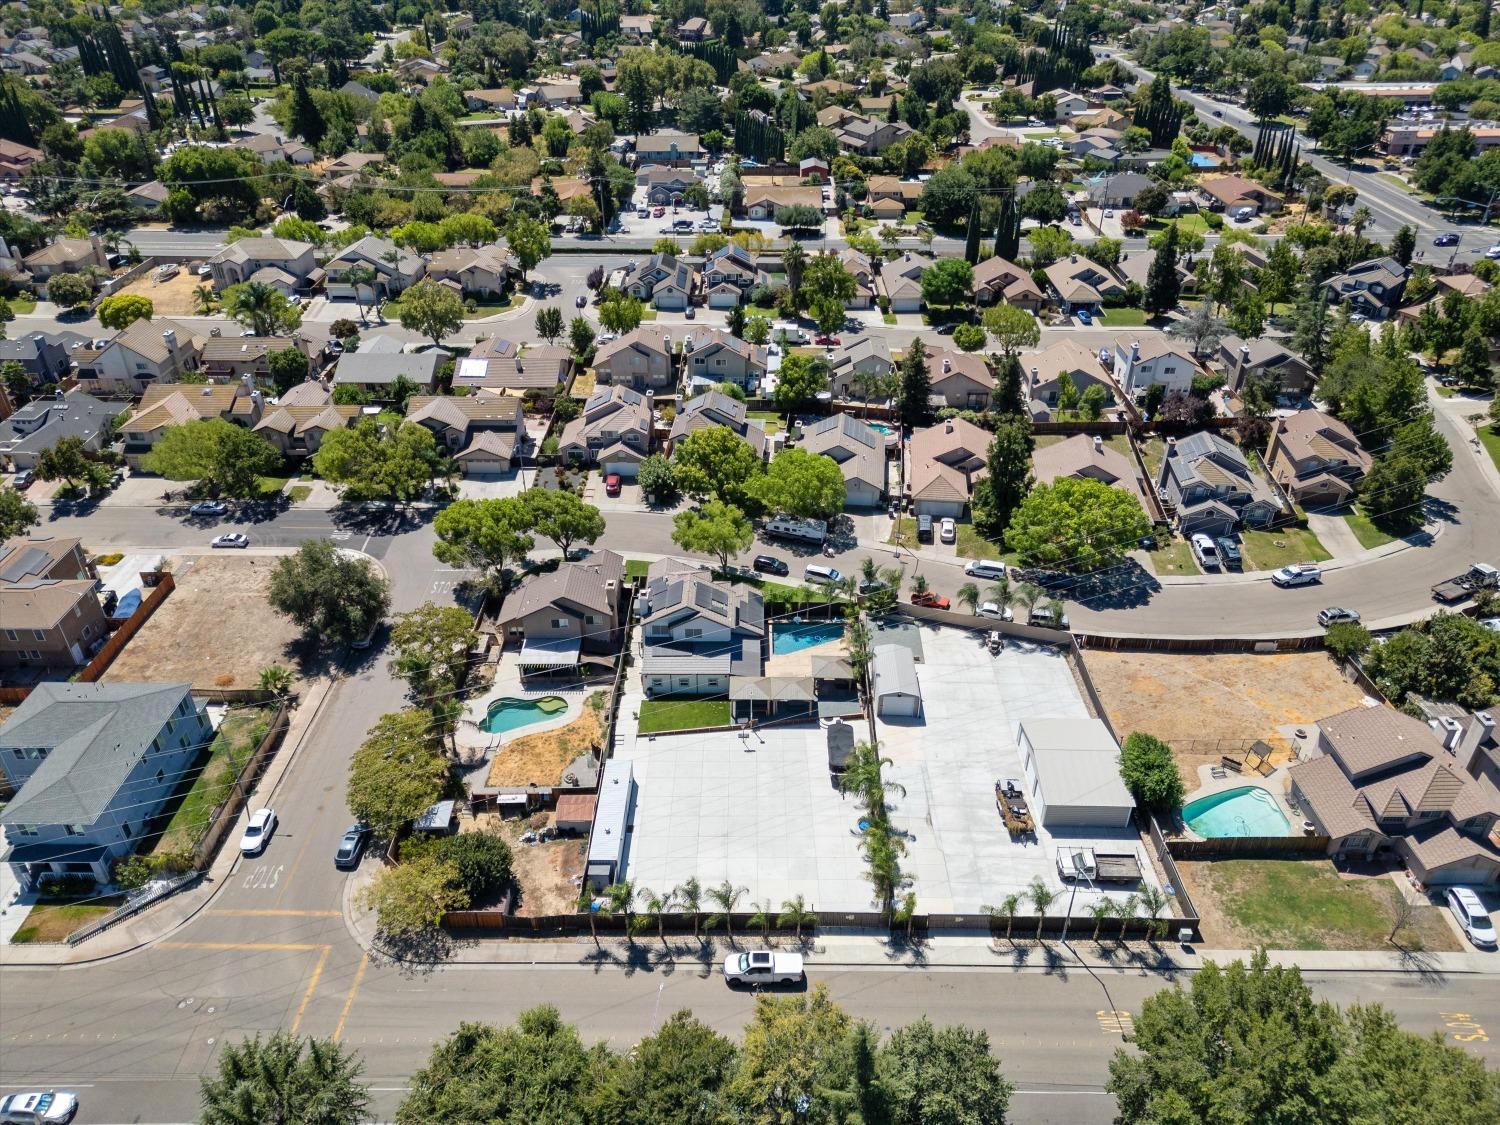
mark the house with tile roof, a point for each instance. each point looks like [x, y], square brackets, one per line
[959, 379]
[666, 281]
[395, 269]
[944, 461]
[998, 281]
[698, 634]
[66, 255]
[1086, 457]
[642, 359]
[1045, 368]
[860, 453]
[860, 268]
[482, 433]
[1078, 283]
[93, 764]
[1376, 779]
[555, 620]
[714, 408]
[473, 271]
[1232, 193]
[231, 358]
[303, 417]
[143, 353]
[613, 432]
[243, 258]
[1210, 483]
[718, 357]
[165, 405]
[1316, 459]
[856, 361]
[901, 281]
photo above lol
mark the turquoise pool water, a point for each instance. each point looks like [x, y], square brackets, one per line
[1246, 811]
[881, 428]
[1205, 160]
[508, 714]
[795, 638]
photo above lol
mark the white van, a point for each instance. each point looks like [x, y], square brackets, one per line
[821, 575]
[1244, 214]
[788, 527]
[985, 568]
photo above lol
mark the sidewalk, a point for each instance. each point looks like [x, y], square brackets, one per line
[156, 922]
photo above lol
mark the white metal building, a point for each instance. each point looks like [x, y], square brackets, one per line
[606, 858]
[1072, 768]
[897, 691]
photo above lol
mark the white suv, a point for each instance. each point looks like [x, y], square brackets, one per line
[1205, 552]
[1472, 918]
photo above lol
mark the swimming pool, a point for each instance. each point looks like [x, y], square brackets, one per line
[1205, 160]
[881, 428]
[507, 714]
[1246, 811]
[795, 638]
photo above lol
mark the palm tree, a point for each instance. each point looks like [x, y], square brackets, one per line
[620, 898]
[1041, 896]
[763, 917]
[285, 1078]
[204, 300]
[918, 584]
[359, 277]
[968, 594]
[254, 306]
[861, 776]
[1007, 910]
[1099, 911]
[998, 592]
[1153, 902]
[794, 262]
[726, 897]
[906, 912]
[1125, 911]
[1026, 595]
[794, 912]
[689, 896]
[587, 905]
[868, 570]
[657, 907]
[276, 679]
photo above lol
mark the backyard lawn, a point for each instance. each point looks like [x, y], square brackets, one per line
[1369, 533]
[238, 735]
[661, 715]
[1152, 452]
[770, 420]
[1268, 550]
[636, 568]
[1302, 904]
[52, 923]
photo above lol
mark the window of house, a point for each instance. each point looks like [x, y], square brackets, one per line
[159, 775]
[588, 619]
[39, 634]
[35, 655]
[125, 830]
[24, 829]
[32, 753]
[12, 635]
[75, 829]
[139, 366]
[684, 682]
[691, 634]
[559, 622]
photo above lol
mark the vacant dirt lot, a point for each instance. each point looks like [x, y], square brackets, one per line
[173, 297]
[546, 873]
[1207, 706]
[215, 630]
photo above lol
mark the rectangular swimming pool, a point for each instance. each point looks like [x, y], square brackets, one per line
[795, 638]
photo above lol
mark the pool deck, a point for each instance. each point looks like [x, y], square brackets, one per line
[1274, 783]
[799, 663]
[477, 746]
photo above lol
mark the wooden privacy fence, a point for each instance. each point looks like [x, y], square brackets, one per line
[1130, 643]
[1250, 847]
[224, 816]
[1180, 897]
[1100, 426]
[164, 585]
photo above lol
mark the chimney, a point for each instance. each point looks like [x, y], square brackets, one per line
[948, 426]
[1171, 447]
[1449, 730]
[1241, 366]
[169, 337]
[1479, 730]
[1135, 351]
[1098, 444]
[947, 366]
[1036, 377]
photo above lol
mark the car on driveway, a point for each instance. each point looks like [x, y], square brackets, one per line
[612, 484]
[208, 508]
[1471, 916]
[38, 1107]
[23, 480]
[1448, 239]
[233, 539]
[1205, 552]
[948, 530]
[1229, 553]
[770, 564]
[258, 832]
[1337, 615]
[351, 846]
[929, 599]
[1298, 574]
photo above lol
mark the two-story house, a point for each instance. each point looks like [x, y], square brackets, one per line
[93, 763]
[959, 379]
[1242, 361]
[43, 422]
[143, 353]
[556, 620]
[174, 404]
[666, 281]
[728, 276]
[226, 359]
[298, 430]
[998, 281]
[859, 451]
[482, 433]
[1045, 370]
[1383, 781]
[495, 366]
[480, 271]
[859, 267]
[1316, 459]
[395, 270]
[696, 634]
[664, 184]
[901, 281]
[943, 461]
[715, 357]
[870, 137]
[714, 408]
[286, 262]
[613, 432]
[857, 366]
[642, 359]
[667, 147]
[1078, 283]
[1210, 483]
[1153, 358]
[1372, 289]
[44, 356]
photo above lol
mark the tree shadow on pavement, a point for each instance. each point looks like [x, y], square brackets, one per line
[417, 954]
[1422, 964]
[1127, 586]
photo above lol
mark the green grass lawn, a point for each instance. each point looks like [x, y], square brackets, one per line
[661, 715]
[270, 486]
[972, 545]
[1367, 531]
[1173, 557]
[1152, 452]
[1194, 223]
[1491, 441]
[494, 308]
[1122, 318]
[1268, 550]
[770, 420]
[888, 318]
[23, 306]
[636, 568]
[53, 922]
[300, 492]
[238, 735]
[1303, 904]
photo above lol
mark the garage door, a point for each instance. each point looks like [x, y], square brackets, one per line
[722, 300]
[898, 705]
[675, 301]
[626, 469]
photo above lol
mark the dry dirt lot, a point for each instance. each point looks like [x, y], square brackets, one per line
[173, 297]
[215, 629]
[1207, 706]
[541, 759]
[546, 873]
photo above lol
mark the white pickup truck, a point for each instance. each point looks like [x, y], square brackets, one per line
[763, 966]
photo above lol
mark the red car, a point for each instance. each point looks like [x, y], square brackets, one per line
[930, 600]
[658, 212]
[827, 341]
[612, 484]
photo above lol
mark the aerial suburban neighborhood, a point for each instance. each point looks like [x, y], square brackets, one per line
[760, 562]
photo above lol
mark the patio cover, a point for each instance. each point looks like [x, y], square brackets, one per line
[551, 653]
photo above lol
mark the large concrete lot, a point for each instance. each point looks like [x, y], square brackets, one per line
[959, 851]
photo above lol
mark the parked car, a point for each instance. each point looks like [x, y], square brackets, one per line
[1084, 316]
[868, 586]
[580, 301]
[658, 212]
[1337, 615]
[689, 313]
[1471, 916]
[1044, 618]
[948, 530]
[827, 341]
[1446, 239]
[38, 1107]
[351, 846]
[612, 484]
[643, 212]
[258, 832]
[1229, 553]
[23, 479]
[1205, 552]
[208, 508]
[818, 575]
[763, 966]
[930, 600]
[924, 529]
[997, 611]
[770, 564]
[1492, 253]
[1298, 574]
[232, 539]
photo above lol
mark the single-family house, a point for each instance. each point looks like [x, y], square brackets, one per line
[374, 373]
[502, 100]
[762, 201]
[242, 259]
[696, 634]
[232, 358]
[666, 281]
[729, 274]
[557, 619]
[44, 356]
[998, 281]
[944, 461]
[147, 197]
[667, 147]
[959, 379]
[17, 159]
[1078, 283]
[1233, 194]
[273, 149]
[297, 424]
[50, 615]
[1316, 459]
[1085, 456]
[482, 433]
[613, 432]
[1245, 361]
[901, 281]
[857, 365]
[537, 370]
[694, 30]
[1068, 104]
[860, 268]
[859, 451]
[665, 184]
[1372, 288]
[715, 408]
[1210, 483]
[641, 359]
[1118, 190]
[870, 137]
[395, 270]
[1379, 780]
[140, 354]
[93, 764]
[714, 356]
[66, 255]
[480, 271]
[638, 27]
[1153, 357]
[165, 405]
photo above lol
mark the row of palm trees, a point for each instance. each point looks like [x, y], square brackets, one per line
[638, 906]
[1149, 901]
[881, 845]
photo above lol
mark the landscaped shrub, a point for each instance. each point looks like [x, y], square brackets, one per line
[66, 886]
[1150, 773]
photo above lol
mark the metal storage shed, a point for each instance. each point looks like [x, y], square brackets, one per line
[1073, 771]
[896, 689]
[606, 858]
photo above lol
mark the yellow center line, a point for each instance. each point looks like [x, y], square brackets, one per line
[276, 913]
[359, 976]
[311, 985]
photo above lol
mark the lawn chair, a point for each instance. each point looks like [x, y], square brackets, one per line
[1232, 764]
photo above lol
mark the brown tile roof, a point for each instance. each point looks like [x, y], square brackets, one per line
[954, 438]
[1369, 738]
[1336, 803]
[582, 584]
[40, 603]
[932, 480]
